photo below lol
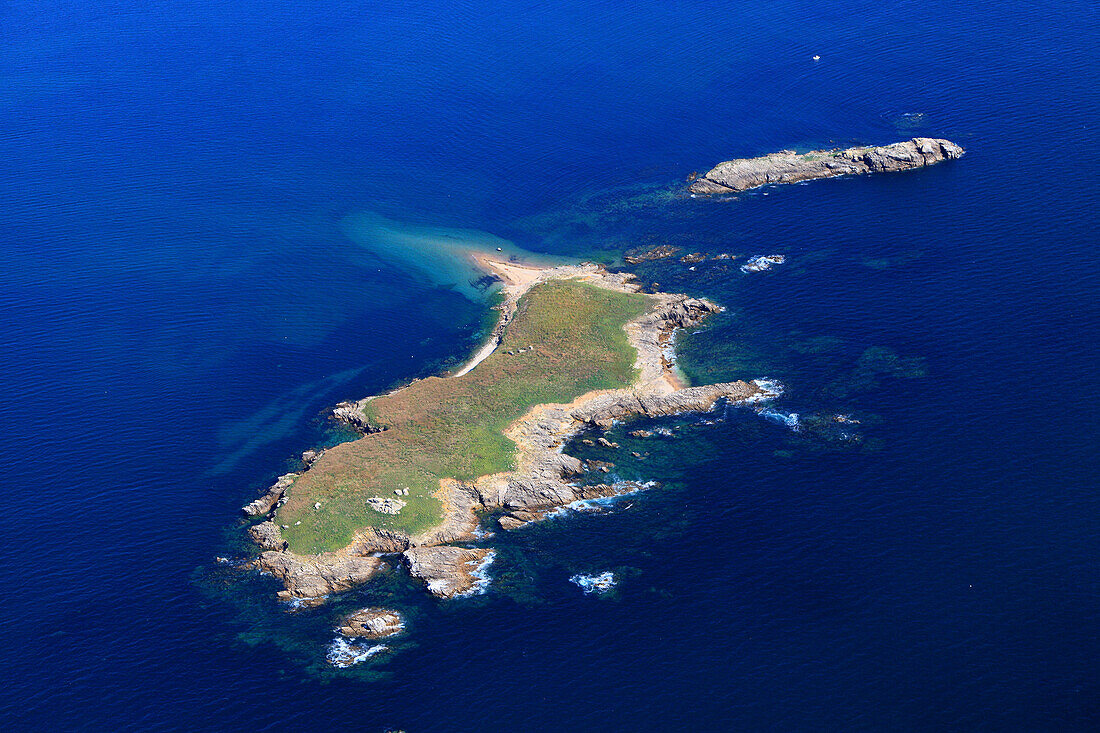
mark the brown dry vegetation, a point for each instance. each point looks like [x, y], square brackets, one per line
[573, 342]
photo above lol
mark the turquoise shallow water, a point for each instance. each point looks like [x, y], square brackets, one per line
[206, 213]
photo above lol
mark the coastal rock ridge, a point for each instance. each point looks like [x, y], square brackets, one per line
[787, 166]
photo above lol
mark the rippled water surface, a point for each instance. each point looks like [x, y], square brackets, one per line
[218, 219]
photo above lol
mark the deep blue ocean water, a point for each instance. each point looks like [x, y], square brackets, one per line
[187, 287]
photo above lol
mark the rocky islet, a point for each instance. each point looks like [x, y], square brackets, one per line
[788, 166]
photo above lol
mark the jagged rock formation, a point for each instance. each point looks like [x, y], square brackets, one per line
[446, 571]
[316, 576]
[313, 578]
[350, 413]
[372, 623]
[787, 166]
[266, 535]
[542, 477]
[639, 255]
[267, 502]
[519, 514]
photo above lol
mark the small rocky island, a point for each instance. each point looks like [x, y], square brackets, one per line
[576, 347]
[787, 166]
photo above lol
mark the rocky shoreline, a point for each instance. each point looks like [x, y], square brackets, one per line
[787, 166]
[544, 476]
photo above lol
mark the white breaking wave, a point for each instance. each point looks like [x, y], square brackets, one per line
[596, 503]
[789, 419]
[600, 583]
[343, 653]
[481, 577]
[296, 604]
[481, 534]
[772, 388]
[759, 263]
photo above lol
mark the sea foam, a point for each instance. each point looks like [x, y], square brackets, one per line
[599, 583]
[599, 503]
[759, 263]
[343, 653]
[789, 419]
[480, 576]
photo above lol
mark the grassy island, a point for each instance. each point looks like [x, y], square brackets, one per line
[565, 339]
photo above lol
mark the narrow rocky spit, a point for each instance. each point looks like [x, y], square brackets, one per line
[544, 477]
[787, 166]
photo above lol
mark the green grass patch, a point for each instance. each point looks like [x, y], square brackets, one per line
[573, 342]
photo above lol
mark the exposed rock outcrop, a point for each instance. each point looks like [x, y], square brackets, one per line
[312, 578]
[266, 535]
[447, 571]
[263, 506]
[352, 414]
[517, 516]
[788, 166]
[541, 478]
[639, 255]
[387, 505]
[372, 623]
[316, 576]
[378, 539]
